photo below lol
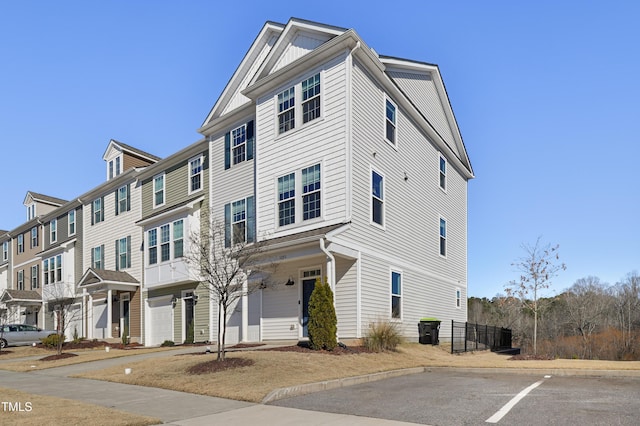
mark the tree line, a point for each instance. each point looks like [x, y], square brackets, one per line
[589, 320]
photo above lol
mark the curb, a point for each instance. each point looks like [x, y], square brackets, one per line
[308, 388]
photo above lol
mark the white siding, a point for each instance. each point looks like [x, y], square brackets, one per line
[346, 297]
[301, 44]
[320, 141]
[421, 89]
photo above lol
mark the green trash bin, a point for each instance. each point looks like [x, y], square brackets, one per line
[428, 330]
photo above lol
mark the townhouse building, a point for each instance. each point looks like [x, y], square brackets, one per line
[348, 164]
[61, 268]
[351, 164]
[111, 280]
[22, 298]
[175, 201]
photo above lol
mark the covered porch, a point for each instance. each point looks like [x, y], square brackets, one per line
[111, 303]
[23, 307]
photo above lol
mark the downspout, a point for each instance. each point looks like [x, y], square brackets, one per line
[331, 272]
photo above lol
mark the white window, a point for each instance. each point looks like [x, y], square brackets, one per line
[118, 168]
[311, 98]
[286, 110]
[53, 228]
[396, 294]
[158, 191]
[97, 258]
[52, 269]
[239, 221]
[390, 122]
[123, 200]
[97, 210]
[286, 199]
[308, 104]
[123, 253]
[443, 173]
[239, 144]
[21, 243]
[165, 246]
[110, 169]
[178, 239]
[71, 218]
[5, 251]
[152, 240]
[306, 182]
[34, 277]
[443, 237]
[45, 270]
[31, 211]
[377, 198]
[458, 298]
[311, 192]
[195, 174]
[34, 237]
[21, 280]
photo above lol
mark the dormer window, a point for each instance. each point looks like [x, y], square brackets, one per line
[31, 211]
[114, 168]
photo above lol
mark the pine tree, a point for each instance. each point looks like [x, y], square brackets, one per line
[323, 323]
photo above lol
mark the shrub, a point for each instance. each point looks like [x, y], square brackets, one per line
[53, 340]
[76, 337]
[168, 343]
[382, 336]
[323, 323]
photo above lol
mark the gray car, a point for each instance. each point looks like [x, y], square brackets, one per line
[22, 334]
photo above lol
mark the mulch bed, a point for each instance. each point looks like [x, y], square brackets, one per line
[525, 357]
[5, 352]
[338, 350]
[56, 356]
[213, 366]
[246, 345]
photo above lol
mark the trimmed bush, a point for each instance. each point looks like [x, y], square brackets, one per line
[382, 336]
[323, 323]
[52, 340]
[168, 343]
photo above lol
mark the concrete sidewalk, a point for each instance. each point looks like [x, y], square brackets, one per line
[171, 407]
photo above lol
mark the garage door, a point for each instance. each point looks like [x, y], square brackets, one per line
[160, 319]
[74, 321]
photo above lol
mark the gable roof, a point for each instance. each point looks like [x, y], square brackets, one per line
[41, 198]
[96, 277]
[20, 296]
[130, 150]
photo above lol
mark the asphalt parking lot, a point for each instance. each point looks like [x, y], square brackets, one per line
[450, 397]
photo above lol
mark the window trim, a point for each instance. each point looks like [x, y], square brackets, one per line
[20, 243]
[442, 240]
[5, 251]
[298, 104]
[285, 200]
[153, 231]
[200, 173]
[126, 200]
[393, 143]
[34, 237]
[156, 191]
[382, 199]
[20, 280]
[97, 215]
[393, 271]
[299, 196]
[53, 231]
[35, 275]
[71, 222]
[442, 176]
[458, 298]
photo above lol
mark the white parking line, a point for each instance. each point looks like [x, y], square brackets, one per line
[509, 405]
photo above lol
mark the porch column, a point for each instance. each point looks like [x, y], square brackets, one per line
[109, 313]
[89, 319]
[245, 311]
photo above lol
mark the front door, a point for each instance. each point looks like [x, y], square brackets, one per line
[308, 284]
[188, 318]
[124, 315]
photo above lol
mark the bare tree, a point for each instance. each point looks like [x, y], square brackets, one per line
[62, 303]
[229, 268]
[587, 304]
[537, 268]
[627, 310]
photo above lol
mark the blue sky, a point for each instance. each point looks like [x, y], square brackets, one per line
[545, 94]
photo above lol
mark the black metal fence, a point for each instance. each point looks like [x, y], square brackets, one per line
[476, 337]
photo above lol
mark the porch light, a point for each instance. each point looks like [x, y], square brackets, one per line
[290, 281]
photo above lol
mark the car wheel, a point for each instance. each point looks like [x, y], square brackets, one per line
[3, 343]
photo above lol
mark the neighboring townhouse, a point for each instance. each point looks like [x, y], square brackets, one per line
[61, 268]
[5, 262]
[112, 248]
[357, 172]
[175, 199]
[23, 298]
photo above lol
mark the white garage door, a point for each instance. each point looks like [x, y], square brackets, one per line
[99, 320]
[74, 321]
[160, 319]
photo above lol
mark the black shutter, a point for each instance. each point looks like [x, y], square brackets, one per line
[227, 150]
[251, 220]
[128, 197]
[227, 225]
[117, 255]
[102, 256]
[250, 140]
[129, 251]
[102, 209]
[117, 203]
